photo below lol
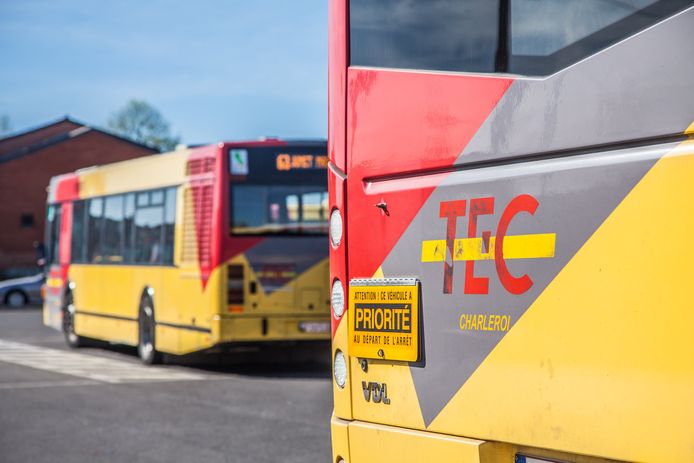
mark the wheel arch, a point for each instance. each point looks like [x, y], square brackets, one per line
[146, 293]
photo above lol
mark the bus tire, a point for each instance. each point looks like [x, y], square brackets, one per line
[146, 344]
[71, 337]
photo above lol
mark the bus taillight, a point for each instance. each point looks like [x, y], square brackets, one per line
[337, 298]
[235, 288]
[336, 227]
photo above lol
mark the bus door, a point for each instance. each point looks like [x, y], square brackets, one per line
[57, 239]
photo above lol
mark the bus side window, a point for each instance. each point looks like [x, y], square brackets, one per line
[169, 224]
[95, 225]
[77, 246]
[149, 217]
[112, 246]
[129, 228]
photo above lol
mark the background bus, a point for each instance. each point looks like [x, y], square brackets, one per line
[512, 277]
[183, 251]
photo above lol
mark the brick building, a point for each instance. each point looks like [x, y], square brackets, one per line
[27, 161]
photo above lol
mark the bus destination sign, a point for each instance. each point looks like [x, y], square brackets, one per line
[286, 161]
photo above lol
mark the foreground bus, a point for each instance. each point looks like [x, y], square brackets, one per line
[511, 191]
[184, 251]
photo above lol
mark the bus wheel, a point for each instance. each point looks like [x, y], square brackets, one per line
[16, 299]
[71, 338]
[146, 345]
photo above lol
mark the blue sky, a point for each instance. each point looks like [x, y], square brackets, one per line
[217, 70]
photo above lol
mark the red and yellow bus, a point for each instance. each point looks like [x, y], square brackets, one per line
[179, 252]
[511, 191]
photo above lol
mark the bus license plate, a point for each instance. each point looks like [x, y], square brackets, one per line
[384, 319]
[524, 459]
[314, 327]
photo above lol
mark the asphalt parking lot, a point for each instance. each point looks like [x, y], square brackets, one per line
[100, 404]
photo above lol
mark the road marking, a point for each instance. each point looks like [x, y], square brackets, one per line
[102, 369]
[34, 384]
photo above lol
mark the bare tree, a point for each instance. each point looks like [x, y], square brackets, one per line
[143, 123]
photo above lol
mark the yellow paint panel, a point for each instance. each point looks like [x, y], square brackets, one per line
[114, 330]
[115, 291]
[602, 362]
[179, 299]
[277, 328]
[342, 397]
[166, 338]
[404, 407]
[309, 287]
[304, 298]
[136, 174]
[340, 439]
[534, 246]
[190, 340]
[372, 443]
[690, 130]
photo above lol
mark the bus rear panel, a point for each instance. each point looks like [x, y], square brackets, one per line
[515, 183]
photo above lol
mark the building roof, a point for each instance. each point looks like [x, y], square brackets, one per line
[32, 140]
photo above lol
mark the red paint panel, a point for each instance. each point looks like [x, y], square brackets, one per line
[237, 245]
[209, 180]
[338, 260]
[403, 122]
[57, 272]
[202, 200]
[233, 246]
[67, 188]
[204, 168]
[65, 234]
[337, 113]
[64, 250]
[337, 81]
[253, 143]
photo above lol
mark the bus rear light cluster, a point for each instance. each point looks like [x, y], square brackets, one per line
[340, 369]
[337, 298]
[235, 294]
[335, 227]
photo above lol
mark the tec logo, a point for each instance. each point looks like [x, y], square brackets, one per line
[483, 246]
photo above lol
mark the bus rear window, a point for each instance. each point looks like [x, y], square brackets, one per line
[450, 35]
[531, 37]
[278, 210]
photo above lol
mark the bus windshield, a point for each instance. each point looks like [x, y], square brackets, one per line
[279, 209]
